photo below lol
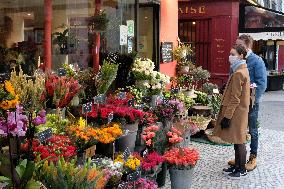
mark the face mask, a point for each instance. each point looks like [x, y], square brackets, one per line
[233, 59]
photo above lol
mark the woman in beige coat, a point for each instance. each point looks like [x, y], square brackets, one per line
[232, 121]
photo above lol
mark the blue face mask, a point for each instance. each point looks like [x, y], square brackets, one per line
[233, 59]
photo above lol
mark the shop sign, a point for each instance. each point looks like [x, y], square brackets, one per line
[130, 28]
[123, 35]
[167, 51]
[266, 35]
[192, 10]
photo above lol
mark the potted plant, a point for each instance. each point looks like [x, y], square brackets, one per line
[141, 71]
[65, 41]
[182, 162]
[98, 22]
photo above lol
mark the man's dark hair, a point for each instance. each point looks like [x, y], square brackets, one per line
[241, 50]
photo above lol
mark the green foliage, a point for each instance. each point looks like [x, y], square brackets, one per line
[202, 98]
[67, 175]
[215, 104]
[188, 101]
[98, 22]
[106, 76]
[65, 41]
[208, 88]
[87, 80]
[52, 121]
[23, 177]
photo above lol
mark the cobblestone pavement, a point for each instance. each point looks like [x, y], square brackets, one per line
[268, 175]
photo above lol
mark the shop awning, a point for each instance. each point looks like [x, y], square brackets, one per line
[266, 35]
[257, 19]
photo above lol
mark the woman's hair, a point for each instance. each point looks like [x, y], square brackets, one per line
[241, 50]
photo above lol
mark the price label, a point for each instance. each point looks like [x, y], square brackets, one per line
[90, 152]
[126, 154]
[131, 102]
[100, 99]
[110, 117]
[134, 176]
[61, 72]
[146, 99]
[122, 95]
[175, 90]
[145, 153]
[87, 108]
[44, 135]
[123, 186]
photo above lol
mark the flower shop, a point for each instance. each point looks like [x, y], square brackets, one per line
[72, 128]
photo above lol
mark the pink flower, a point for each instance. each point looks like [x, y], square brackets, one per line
[151, 135]
[149, 142]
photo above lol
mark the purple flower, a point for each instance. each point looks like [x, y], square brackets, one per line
[42, 113]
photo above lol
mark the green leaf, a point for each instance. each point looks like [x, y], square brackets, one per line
[32, 184]
[21, 168]
[4, 179]
[27, 176]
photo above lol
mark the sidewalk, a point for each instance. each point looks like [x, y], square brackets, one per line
[270, 171]
[268, 175]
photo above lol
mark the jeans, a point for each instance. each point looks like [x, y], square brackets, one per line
[253, 129]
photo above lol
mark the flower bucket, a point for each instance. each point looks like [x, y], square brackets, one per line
[154, 100]
[129, 139]
[162, 175]
[189, 93]
[181, 178]
[184, 69]
[167, 123]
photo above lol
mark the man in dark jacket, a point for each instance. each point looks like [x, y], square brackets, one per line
[258, 75]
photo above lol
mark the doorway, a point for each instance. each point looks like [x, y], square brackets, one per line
[148, 32]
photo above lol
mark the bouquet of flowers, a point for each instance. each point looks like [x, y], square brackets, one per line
[87, 136]
[152, 161]
[175, 136]
[142, 69]
[121, 114]
[142, 183]
[64, 174]
[61, 89]
[54, 147]
[157, 83]
[131, 164]
[118, 101]
[114, 170]
[16, 124]
[167, 110]
[31, 93]
[182, 158]
[8, 96]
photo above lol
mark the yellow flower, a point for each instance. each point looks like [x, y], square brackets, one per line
[132, 163]
[82, 123]
[9, 88]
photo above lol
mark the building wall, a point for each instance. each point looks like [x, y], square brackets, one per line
[169, 30]
[224, 31]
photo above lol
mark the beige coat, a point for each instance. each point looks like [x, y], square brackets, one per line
[235, 106]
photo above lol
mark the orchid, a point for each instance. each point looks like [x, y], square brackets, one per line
[16, 124]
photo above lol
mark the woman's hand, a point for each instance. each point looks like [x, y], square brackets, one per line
[225, 123]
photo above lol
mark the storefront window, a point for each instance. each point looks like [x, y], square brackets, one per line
[74, 26]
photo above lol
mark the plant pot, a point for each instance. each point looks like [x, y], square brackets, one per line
[129, 139]
[162, 175]
[181, 178]
[154, 100]
[167, 123]
[189, 93]
[184, 69]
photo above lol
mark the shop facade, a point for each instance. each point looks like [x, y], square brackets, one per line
[49, 33]
[212, 32]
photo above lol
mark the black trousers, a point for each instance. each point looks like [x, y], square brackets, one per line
[240, 157]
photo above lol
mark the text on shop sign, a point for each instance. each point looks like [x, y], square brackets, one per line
[193, 10]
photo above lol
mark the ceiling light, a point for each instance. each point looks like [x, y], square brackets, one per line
[146, 17]
[29, 14]
[193, 23]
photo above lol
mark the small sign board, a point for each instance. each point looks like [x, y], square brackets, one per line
[100, 99]
[121, 95]
[90, 152]
[61, 72]
[110, 117]
[134, 176]
[44, 135]
[87, 108]
[123, 186]
[167, 51]
[175, 90]
[131, 102]
[126, 154]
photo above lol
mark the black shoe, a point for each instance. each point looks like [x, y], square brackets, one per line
[229, 170]
[237, 174]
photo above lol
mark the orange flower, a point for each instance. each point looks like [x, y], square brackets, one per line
[92, 174]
